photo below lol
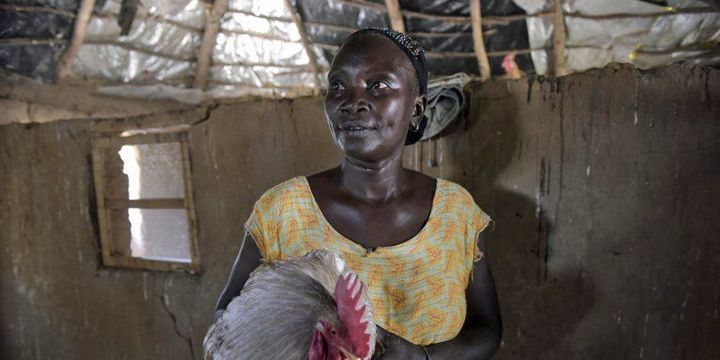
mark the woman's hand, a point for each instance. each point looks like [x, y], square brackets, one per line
[391, 347]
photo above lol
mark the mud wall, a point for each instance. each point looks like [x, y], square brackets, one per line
[603, 188]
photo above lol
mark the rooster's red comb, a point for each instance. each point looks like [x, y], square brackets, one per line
[349, 296]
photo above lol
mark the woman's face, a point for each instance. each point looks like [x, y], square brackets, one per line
[372, 98]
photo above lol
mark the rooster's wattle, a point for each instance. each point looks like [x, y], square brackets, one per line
[310, 307]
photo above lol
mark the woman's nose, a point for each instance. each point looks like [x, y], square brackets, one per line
[354, 102]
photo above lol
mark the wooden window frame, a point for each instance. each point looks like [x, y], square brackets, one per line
[113, 258]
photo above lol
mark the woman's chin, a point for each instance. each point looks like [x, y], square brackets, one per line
[361, 152]
[368, 154]
[367, 148]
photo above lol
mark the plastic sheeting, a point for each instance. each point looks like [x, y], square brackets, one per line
[33, 60]
[34, 25]
[69, 5]
[437, 34]
[274, 8]
[241, 48]
[160, 45]
[243, 23]
[117, 64]
[264, 76]
[261, 50]
[36, 60]
[643, 41]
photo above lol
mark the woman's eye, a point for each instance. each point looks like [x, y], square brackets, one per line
[378, 85]
[335, 85]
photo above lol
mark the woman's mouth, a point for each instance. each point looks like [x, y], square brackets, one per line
[356, 130]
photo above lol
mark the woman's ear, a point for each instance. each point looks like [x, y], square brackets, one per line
[419, 106]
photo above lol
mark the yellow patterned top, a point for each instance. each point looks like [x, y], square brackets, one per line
[417, 288]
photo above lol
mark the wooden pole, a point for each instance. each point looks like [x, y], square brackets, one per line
[558, 40]
[305, 41]
[478, 43]
[37, 9]
[396, 17]
[81, 20]
[204, 55]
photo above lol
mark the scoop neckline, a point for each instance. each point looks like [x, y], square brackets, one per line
[350, 242]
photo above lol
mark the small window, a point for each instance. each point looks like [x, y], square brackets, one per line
[145, 204]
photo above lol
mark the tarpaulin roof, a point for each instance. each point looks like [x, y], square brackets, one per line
[154, 48]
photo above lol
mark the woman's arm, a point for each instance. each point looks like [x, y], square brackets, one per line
[247, 260]
[481, 333]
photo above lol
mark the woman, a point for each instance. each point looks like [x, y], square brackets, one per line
[413, 239]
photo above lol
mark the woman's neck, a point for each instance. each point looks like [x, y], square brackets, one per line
[375, 181]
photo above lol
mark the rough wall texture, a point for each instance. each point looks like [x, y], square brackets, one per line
[603, 187]
[604, 191]
[58, 302]
[23, 100]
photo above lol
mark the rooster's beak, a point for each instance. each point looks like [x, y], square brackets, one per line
[348, 355]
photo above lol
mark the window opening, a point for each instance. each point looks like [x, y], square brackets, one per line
[145, 205]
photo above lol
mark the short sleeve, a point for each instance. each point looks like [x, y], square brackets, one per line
[480, 221]
[260, 225]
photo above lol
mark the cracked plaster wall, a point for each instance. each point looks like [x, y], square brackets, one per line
[603, 188]
[23, 100]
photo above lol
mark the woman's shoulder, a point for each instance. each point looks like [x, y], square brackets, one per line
[453, 190]
[277, 194]
[458, 201]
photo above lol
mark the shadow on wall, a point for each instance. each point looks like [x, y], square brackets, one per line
[540, 307]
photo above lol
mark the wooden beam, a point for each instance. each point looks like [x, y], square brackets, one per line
[434, 35]
[453, 54]
[204, 55]
[396, 18]
[505, 19]
[145, 203]
[306, 67]
[81, 20]
[559, 68]
[145, 15]
[478, 42]
[37, 9]
[132, 47]
[669, 11]
[332, 27]
[305, 41]
[190, 205]
[457, 54]
[381, 7]
[98, 161]
[261, 35]
[703, 46]
[28, 42]
[266, 17]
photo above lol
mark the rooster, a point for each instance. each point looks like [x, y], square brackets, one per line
[511, 67]
[304, 308]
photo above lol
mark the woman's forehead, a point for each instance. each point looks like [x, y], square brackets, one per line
[371, 53]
